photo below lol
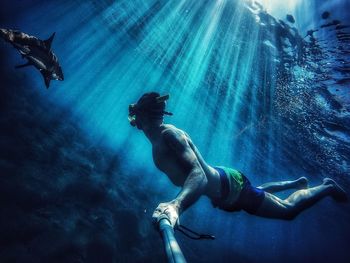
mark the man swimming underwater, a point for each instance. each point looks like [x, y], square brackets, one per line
[175, 154]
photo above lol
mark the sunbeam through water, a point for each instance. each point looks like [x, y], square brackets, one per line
[256, 90]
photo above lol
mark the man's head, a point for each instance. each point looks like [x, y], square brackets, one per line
[150, 108]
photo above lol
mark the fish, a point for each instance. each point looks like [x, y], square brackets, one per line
[290, 19]
[37, 52]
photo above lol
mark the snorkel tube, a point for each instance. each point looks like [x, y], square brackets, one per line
[172, 248]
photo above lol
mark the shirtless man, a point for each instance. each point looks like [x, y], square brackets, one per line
[175, 154]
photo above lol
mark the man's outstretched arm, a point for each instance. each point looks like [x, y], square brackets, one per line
[196, 180]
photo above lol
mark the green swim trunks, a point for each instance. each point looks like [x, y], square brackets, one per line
[231, 185]
[237, 193]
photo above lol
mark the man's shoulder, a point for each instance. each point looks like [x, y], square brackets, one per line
[174, 136]
[170, 132]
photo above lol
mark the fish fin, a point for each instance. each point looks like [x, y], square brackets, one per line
[48, 41]
[47, 77]
[24, 65]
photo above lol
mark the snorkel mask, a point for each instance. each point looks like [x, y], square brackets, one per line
[151, 107]
[132, 114]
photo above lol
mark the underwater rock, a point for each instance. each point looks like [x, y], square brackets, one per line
[55, 189]
[338, 27]
[343, 81]
[333, 23]
[311, 32]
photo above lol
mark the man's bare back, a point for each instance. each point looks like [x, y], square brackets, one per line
[165, 151]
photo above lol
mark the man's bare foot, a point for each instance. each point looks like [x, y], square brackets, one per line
[302, 183]
[338, 193]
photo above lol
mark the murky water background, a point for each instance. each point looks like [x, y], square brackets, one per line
[255, 91]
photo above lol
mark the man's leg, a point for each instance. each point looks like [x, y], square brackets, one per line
[274, 187]
[274, 207]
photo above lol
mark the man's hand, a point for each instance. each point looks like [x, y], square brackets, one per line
[170, 209]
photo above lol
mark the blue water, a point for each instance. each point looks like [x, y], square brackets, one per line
[250, 88]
